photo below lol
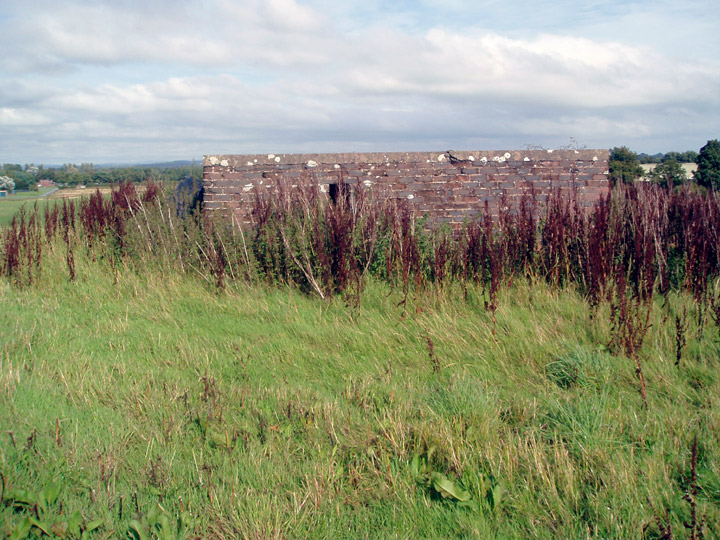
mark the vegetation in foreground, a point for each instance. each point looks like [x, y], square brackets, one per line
[389, 386]
[152, 405]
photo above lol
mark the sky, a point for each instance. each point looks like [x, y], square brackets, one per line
[130, 81]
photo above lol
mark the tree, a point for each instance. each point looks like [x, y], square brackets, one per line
[23, 180]
[668, 173]
[624, 166]
[708, 162]
[7, 183]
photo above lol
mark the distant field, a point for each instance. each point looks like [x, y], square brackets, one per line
[75, 193]
[11, 204]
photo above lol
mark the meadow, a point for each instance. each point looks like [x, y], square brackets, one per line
[337, 371]
[11, 205]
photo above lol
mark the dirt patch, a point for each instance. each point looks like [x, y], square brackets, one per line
[76, 193]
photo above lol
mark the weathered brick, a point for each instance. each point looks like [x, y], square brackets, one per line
[447, 192]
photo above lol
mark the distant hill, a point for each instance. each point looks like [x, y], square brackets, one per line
[169, 164]
[159, 165]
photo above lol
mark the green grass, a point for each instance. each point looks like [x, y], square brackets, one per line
[151, 403]
[11, 204]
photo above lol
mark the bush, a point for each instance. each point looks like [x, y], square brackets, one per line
[708, 161]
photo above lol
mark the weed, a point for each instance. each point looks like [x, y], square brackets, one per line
[43, 511]
[630, 325]
[680, 330]
[696, 523]
[158, 523]
[431, 353]
[157, 474]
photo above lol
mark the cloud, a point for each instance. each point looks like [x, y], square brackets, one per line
[225, 33]
[551, 69]
[21, 118]
[224, 75]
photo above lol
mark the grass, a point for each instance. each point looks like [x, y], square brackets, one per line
[44, 196]
[154, 405]
[11, 204]
[164, 377]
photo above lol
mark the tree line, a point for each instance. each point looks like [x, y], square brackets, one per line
[625, 166]
[681, 157]
[28, 176]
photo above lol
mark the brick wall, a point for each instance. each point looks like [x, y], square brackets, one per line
[449, 186]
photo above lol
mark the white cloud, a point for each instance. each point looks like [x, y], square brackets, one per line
[11, 117]
[314, 75]
[553, 69]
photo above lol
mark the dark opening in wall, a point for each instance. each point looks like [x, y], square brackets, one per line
[338, 192]
[333, 191]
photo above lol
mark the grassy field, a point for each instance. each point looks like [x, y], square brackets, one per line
[167, 377]
[152, 404]
[689, 168]
[11, 204]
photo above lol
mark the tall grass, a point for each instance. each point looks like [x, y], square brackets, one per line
[638, 241]
[549, 371]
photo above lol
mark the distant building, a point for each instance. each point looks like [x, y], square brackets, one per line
[46, 183]
[3, 193]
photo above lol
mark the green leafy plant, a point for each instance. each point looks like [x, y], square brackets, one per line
[474, 489]
[159, 524]
[41, 514]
